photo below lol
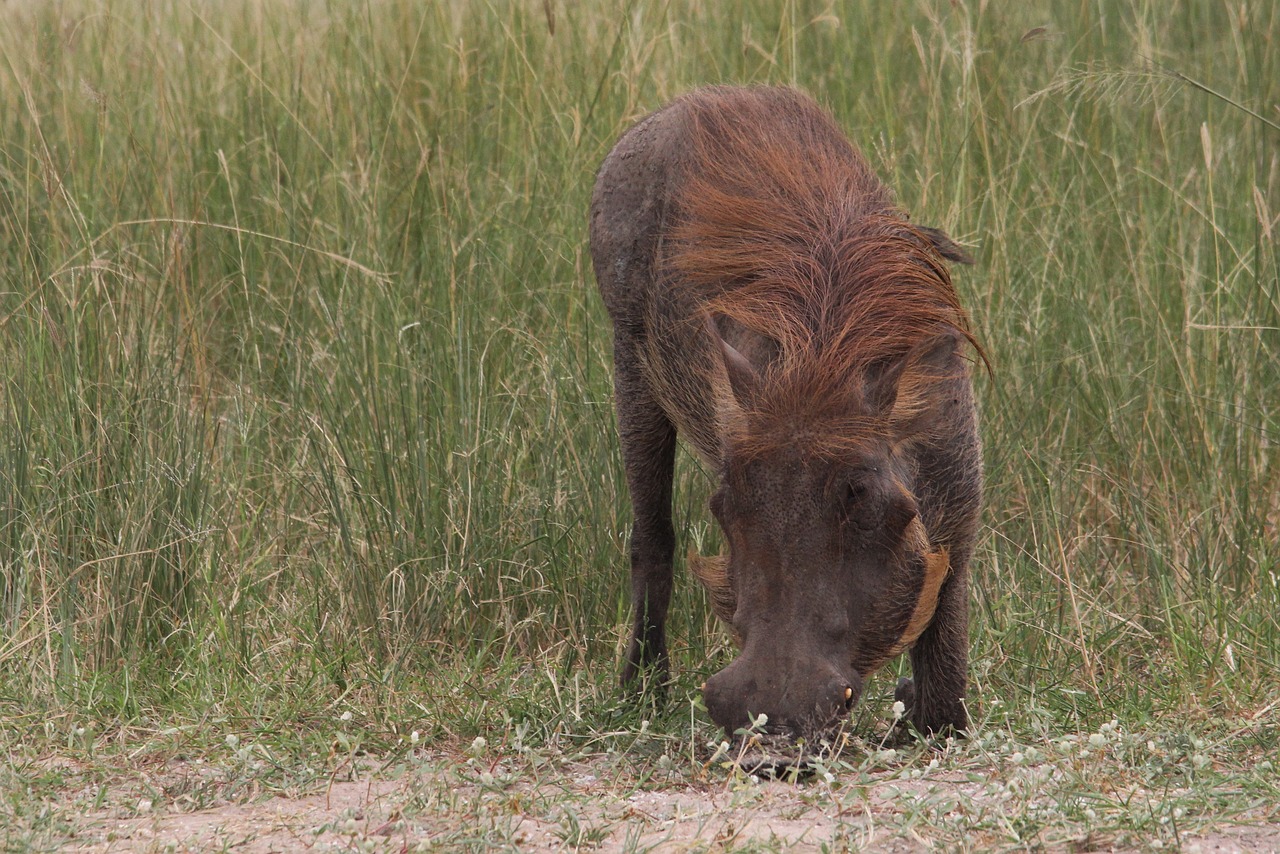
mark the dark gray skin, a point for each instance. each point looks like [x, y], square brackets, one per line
[814, 571]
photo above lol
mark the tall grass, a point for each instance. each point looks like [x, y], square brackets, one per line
[305, 372]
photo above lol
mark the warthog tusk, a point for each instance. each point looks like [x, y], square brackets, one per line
[848, 694]
[703, 689]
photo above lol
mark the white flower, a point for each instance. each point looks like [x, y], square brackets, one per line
[346, 716]
[899, 709]
[479, 744]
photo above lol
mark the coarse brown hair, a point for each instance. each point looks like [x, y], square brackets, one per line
[780, 226]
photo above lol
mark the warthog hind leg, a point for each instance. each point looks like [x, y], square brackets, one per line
[648, 441]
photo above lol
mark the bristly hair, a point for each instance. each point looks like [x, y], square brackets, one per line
[781, 226]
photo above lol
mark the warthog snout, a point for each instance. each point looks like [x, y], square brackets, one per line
[799, 700]
[801, 693]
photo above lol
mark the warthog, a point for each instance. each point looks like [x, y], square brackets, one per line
[773, 306]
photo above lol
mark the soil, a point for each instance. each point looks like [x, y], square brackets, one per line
[443, 803]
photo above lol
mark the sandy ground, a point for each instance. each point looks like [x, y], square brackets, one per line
[589, 806]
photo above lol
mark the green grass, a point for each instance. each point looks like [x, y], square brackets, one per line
[306, 387]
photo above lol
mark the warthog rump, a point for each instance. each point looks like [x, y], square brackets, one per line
[772, 305]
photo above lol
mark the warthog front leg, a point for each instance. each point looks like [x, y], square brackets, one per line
[934, 697]
[648, 441]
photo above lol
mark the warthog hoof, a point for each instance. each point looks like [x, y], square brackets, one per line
[952, 721]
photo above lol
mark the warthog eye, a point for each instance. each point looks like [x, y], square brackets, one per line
[873, 508]
[859, 506]
[856, 495]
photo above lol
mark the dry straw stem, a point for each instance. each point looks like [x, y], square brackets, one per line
[1151, 83]
[332, 256]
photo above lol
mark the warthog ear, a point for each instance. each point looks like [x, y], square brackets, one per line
[744, 379]
[901, 387]
[946, 247]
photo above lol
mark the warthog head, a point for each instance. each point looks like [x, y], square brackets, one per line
[829, 570]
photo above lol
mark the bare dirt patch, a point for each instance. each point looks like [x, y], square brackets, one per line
[446, 801]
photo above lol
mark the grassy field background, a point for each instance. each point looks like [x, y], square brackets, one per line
[307, 437]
